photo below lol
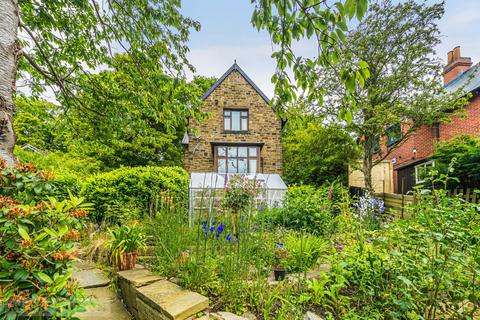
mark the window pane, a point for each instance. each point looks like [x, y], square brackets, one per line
[242, 151]
[235, 120]
[227, 112]
[227, 124]
[252, 163]
[222, 165]
[232, 151]
[252, 152]
[232, 165]
[222, 151]
[244, 124]
[242, 165]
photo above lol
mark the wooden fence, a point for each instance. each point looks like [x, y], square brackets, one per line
[398, 202]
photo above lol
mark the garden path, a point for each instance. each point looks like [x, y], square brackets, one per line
[96, 284]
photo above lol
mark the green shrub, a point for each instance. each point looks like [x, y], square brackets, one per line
[310, 208]
[304, 251]
[130, 192]
[38, 244]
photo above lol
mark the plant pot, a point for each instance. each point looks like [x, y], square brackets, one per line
[279, 274]
[128, 262]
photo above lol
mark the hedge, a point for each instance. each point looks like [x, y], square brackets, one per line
[128, 192]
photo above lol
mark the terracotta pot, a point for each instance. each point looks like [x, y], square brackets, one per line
[279, 274]
[128, 262]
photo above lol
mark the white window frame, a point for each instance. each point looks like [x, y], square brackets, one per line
[426, 164]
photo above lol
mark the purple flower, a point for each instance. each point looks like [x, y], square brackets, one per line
[243, 230]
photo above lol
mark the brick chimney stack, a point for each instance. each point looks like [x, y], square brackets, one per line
[456, 65]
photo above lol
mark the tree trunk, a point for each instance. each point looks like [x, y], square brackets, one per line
[368, 164]
[8, 70]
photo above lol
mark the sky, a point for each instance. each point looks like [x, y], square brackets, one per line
[228, 35]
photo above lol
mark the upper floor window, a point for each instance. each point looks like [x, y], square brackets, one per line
[394, 134]
[235, 120]
[421, 171]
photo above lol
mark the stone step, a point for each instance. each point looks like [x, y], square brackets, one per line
[166, 300]
[91, 278]
[106, 306]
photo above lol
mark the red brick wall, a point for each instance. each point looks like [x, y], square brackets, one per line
[424, 139]
[469, 124]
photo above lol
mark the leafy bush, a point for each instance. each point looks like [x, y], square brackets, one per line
[130, 192]
[37, 248]
[310, 208]
[466, 167]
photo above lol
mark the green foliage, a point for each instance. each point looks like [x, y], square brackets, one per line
[315, 154]
[62, 163]
[304, 251]
[37, 248]
[309, 208]
[35, 123]
[131, 192]
[136, 117]
[290, 21]
[466, 166]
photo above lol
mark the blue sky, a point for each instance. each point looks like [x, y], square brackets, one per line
[227, 34]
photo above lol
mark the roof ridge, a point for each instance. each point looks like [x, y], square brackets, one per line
[236, 67]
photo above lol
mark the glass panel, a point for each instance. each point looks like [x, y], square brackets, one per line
[222, 165]
[242, 152]
[252, 151]
[235, 120]
[244, 113]
[226, 124]
[222, 151]
[242, 165]
[252, 165]
[232, 151]
[232, 165]
[244, 124]
[227, 113]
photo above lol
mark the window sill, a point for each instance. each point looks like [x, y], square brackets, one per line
[235, 132]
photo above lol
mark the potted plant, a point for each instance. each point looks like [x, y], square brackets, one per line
[125, 243]
[281, 256]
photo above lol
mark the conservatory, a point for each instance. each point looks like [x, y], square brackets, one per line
[206, 190]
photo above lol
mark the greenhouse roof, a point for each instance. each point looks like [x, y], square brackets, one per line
[213, 180]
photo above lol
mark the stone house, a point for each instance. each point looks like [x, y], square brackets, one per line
[241, 133]
[412, 156]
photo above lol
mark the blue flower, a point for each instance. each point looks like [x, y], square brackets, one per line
[204, 226]
[220, 229]
[211, 229]
[279, 245]
[229, 237]
[243, 230]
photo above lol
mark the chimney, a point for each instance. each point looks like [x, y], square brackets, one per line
[456, 65]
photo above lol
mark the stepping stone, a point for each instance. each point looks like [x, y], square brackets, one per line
[92, 278]
[166, 300]
[309, 315]
[107, 306]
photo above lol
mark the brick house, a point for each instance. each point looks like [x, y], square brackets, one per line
[241, 133]
[412, 155]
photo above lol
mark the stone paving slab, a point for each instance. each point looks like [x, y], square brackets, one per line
[92, 278]
[107, 306]
[139, 277]
[170, 300]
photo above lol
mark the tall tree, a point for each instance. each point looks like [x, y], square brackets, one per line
[55, 42]
[405, 88]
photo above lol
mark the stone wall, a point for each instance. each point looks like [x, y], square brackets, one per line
[264, 127]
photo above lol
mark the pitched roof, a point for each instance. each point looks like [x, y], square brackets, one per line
[235, 67]
[470, 79]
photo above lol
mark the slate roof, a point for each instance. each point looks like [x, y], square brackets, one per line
[233, 68]
[472, 75]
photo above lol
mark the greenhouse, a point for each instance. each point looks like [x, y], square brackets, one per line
[206, 189]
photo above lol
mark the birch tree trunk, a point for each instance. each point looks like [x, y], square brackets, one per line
[8, 69]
